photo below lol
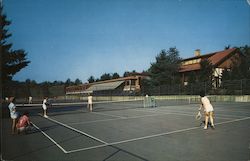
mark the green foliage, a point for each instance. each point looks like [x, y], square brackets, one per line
[12, 60]
[192, 78]
[78, 82]
[105, 76]
[240, 68]
[165, 69]
[91, 79]
[206, 71]
[128, 73]
[115, 76]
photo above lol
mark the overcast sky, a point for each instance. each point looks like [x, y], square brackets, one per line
[79, 38]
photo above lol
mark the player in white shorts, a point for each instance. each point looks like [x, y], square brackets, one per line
[208, 109]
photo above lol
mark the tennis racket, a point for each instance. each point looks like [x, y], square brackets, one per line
[198, 116]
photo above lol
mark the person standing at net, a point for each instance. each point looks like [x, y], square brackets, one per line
[30, 100]
[13, 113]
[208, 109]
[45, 107]
[90, 102]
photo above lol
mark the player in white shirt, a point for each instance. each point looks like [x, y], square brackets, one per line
[208, 109]
[13, 113]
[45, 107]
[90, 103]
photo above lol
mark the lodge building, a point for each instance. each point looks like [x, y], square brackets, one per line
[221, 60]
[124, 85]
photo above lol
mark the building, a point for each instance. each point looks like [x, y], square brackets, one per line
[124, 85]
[221, 60]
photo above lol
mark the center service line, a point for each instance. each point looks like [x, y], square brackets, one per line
[156, 135]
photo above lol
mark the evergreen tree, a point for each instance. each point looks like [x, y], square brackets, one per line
[165, 70]
[240, 68]
[115, 76]
[91, 79]
[206, 71]
[126, 74]
[12, 60]
[78, 81]
[105, 76]
[68, 82]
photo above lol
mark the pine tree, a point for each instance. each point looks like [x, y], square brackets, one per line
[165, 70]
[12, 61]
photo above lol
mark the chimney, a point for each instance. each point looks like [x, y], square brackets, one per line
[197, 52]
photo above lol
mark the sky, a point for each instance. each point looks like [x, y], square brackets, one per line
[70, 39]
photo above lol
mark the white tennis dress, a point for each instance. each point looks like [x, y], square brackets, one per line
[90, 98]
[44, 104]
[206, 104]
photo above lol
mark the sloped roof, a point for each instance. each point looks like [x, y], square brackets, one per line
[104, 86]
[215, 58]
[219, 57]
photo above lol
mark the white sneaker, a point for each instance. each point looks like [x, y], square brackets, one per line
[45, 116]
[205, 128]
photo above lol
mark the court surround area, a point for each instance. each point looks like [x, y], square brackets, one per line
[130, 133]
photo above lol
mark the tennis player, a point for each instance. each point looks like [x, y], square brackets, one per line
[13, 113]
[45, 107]
[24, 124]
[208, 109]
[90, 102]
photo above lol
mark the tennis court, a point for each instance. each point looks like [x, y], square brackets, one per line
[130, 132]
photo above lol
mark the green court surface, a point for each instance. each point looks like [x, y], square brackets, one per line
[163, 133]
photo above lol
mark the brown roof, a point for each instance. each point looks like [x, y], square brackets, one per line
[87, 85]
[215, 58]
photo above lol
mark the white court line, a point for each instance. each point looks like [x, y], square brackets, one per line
[184, 114]
[60, 147]
[142, 116]
[230, 121]
[105, 120]
[152, 136]
[81, 132]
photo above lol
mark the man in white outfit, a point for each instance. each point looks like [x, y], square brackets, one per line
[208, 109]
[90, 102]
[45, 107]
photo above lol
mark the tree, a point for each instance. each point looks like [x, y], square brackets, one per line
[91, 79]
[192, 78]
[165, 70]
[78, 81]
[240, 68]
[12, 60]
[126, 73]
[68, 82]
[115, 76]
[206, 71]
[244, 65]
[105, 76]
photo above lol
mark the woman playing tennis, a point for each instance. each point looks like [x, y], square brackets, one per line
[208, 109]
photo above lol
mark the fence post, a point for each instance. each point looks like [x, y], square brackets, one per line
[241, 87]
[205, 87]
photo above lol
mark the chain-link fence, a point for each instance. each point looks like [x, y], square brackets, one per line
[229, 87]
